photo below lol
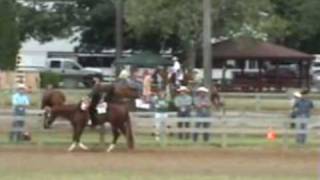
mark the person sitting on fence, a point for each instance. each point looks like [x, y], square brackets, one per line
[302, 110]
[183, 102]
[161, 107]
[20, 101]
[202, 106]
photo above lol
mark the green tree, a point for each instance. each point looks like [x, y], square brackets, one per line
[183, 19]
[92, 20]
[43, 21]
[303, 30]
[9, 35]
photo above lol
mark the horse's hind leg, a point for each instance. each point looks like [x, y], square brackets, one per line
[125, 133]
[116, 134]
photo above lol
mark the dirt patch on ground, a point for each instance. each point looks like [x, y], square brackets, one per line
[231, 162]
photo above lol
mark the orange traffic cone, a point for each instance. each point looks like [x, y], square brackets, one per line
[271, 135]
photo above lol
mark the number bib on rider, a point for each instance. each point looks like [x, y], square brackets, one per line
[102, 108]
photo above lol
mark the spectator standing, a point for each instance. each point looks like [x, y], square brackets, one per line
[124, 74]
[215, 98]
[147, 82]
[176, 73]
[202, 106]
[20, 101]
[183, 102]
[176, 65]
[161, 108]
[158, 79]
[302, 108]
[198, 77]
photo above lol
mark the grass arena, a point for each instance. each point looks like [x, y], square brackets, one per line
[248, 156]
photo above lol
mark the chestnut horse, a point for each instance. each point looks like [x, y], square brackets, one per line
[77, 114]
[117, 110]
[117, 113]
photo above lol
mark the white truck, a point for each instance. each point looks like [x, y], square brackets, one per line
[71, 71]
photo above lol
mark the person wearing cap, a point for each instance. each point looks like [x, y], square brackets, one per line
[161, 106]
[183, 103]
[302, 108]
[20, 98]
[124, 74]
[20, 101]
[176, 65]
[202, 106]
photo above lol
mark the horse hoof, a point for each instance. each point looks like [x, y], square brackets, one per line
[72, 147]
[110, 148]
[83, 147]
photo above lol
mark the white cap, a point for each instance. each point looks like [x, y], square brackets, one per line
[21, 86]
[297, 94]
[183, 88]
[203, 89]
[175, 58]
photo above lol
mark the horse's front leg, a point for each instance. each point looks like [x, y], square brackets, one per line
[77, 132]
[115, 134]
[74, 143]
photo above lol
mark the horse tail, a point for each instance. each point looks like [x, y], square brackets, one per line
[130, 139]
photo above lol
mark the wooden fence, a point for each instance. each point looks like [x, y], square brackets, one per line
[227, 125]
[224, 128]
[9, 79]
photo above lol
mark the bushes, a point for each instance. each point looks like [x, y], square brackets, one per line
[47, 78]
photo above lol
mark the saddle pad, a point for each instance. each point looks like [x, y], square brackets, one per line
[102, 108]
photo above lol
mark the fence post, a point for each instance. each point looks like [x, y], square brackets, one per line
[224, 134]
[258, 102]
[285, 134]
[163, 132]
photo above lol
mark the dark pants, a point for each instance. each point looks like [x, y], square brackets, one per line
[185, 124]
[301, 136]
[206, 135]
[18, 123]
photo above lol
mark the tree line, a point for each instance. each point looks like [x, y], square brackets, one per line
[156, 24]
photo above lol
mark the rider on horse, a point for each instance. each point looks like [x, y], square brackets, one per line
[95, 96]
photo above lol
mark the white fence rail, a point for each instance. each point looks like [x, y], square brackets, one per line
[223, 128]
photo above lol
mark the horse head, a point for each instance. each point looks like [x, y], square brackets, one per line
[128, 89]
[53, 98]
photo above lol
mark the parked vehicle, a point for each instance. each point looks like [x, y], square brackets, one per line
[71, 71]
